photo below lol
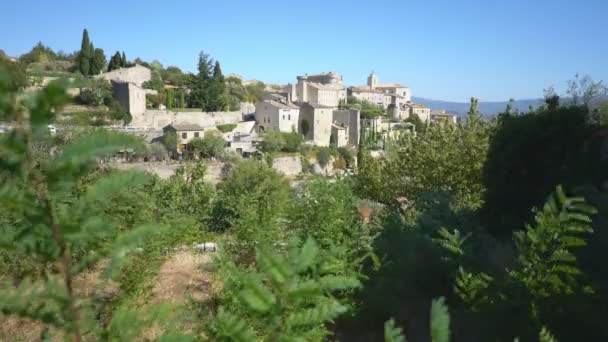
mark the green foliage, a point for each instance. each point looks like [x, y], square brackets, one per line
[98, 62]
[115, 62]
[89, 61]
[392, 333]
[368, 110]
[251, 203]
[211, 145]
[546, 263]
[97, 92]
[517, 178]
[55, 220]
[275, 141]
[418, 123]
[208, 89]
[442, 158]
[440, 321]
[226, 128]
[186, 192]
[327, 212]
[155, 83]
[324, 154]
[545, 336]
[255, 92]
[286, 297]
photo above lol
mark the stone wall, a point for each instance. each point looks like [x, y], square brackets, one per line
[157, 119]
[290, 166]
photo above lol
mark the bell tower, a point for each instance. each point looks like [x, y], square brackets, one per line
[372, 80]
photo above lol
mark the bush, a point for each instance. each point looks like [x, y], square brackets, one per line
[348, 154]
[157, 152]
[292, 141]
[96, 93]
[211, 145]
[226, 128]
[323, 155]
[340, 164]
[273, 142]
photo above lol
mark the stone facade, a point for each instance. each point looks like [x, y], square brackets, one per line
[137, 74]
[131, 97]
[350, 118]
[184, 134]
[423, 112]
[157, 119]
[326, 89]
[277, 116]
[319, 120]
[339, 135]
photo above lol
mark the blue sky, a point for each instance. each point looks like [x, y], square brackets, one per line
[448, 49]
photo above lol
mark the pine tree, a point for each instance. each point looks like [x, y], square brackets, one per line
[84, 57]
[98, 62]
[199, 94]
[217, 89]
[115, 62]
[473, 115]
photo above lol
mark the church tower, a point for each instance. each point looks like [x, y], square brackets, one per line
[372, 80]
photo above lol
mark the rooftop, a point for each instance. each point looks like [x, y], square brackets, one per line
[280, 105]
[326, 86]
[186, 127]
[391, 85]
[415, 105]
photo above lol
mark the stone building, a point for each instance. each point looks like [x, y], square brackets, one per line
[443, 116]
[137, 75]
[423, 112]
[277, 116]
[318, 120]
[339, 135]
[184, 134]
[351, 119]
[325, 89]
[131, 97]
[393, 97]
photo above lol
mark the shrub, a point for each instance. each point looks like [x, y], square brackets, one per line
[323, 155]
[293, 141]
[273, 142]
[211, 145]
[348, 154]
[340, 164]
[96, 93]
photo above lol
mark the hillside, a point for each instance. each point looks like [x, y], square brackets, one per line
[487, 108]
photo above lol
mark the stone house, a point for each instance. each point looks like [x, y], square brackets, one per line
[443, 116]
[318, 120]
[272, 115]
[131, 97]
[326, 89]
[339, 135]
[351, 119]
[423, 112]
[184, 133]
[137, 75]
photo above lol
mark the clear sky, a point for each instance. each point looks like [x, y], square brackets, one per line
[443, 49]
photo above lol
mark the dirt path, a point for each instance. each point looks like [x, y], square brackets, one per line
[184, 276]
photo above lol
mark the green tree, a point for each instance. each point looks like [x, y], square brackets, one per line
[418, 123]
[285, 297]
[85, 55]
[323, 155]
[304, 127]
[115, 62]
[170, 98]
[98, 62]
[97, 92]
[273, 141]
[123, 60]
[155, 82]
[199, 94]
[217, 89]
[251, 202]
[211, 145]
[56, 219]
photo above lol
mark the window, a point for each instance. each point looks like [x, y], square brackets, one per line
[184, 135]
[196, 134]
[283, 116]
[289, 117]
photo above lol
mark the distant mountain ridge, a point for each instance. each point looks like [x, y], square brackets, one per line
[486, 108]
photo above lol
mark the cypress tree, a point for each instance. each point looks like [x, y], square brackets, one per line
[115, 62]
[217, 89]
[98, 62]
[123, 60]
[182, 100]
[84, 58]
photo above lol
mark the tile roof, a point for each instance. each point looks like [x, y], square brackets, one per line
[186, 127]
